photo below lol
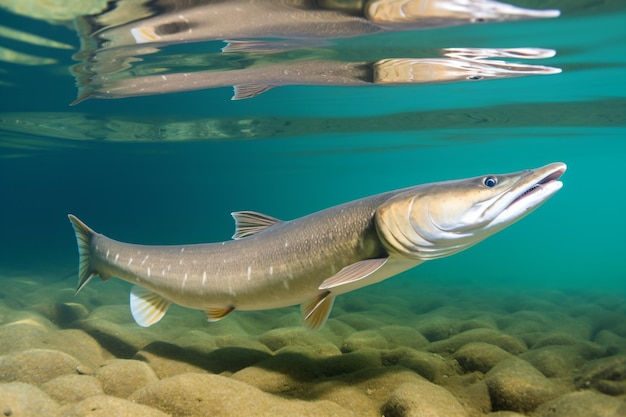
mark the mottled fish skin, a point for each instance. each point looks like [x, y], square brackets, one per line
[283, 265]
[310, 260]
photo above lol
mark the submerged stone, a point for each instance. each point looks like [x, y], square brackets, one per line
[418, 399]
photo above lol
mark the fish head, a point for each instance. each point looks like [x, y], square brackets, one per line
[442, 70]
[435, 13]
[439, 219]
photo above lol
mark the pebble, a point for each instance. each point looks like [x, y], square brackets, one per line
[479, 356]
[69, 389]
[106, 406]
[421, 399]
[583, 404]
[515, 385]
[24, 400]
[607, 375]
[36, 366]
[493, 337]
[122, 377]
[203, 395]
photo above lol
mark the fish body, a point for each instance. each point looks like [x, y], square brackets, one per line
[171, 22]
[255, 80]
[312, 259]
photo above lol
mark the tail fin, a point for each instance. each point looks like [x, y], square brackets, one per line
[83, 239]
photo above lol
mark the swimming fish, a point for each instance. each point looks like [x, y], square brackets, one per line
[312, 259]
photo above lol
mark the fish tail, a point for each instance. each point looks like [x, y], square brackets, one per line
[83, 239]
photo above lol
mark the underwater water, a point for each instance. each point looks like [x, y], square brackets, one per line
[531, 320]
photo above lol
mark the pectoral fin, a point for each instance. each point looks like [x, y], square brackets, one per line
[352, 273]
[315, 312]
[248, 223]
[218, 313]
[147, 307]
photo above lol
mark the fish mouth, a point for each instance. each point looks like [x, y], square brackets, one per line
[548, 181]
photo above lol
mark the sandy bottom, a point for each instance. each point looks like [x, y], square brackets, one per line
[389, 350]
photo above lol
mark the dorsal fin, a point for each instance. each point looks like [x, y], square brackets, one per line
[248, 223]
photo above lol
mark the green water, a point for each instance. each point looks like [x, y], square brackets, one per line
[141, 170]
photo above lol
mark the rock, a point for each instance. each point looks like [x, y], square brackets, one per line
[422, 399]
[479, 356]
[515, 385]
[582, 404]
[197, 341]
[387, 337]
[429, 365]
[78, 344]
[378, 383]
[364, 339]
[297, 336]
[360, 322]
[348, 397]
[350, 362]
[31, 334]
[105, 406]
[121, 341]
[113, 313]
[36, 366]
[122, 377]
[290, 370]
[524, 321]
[474, 396]
[233, 359]
[607, 375]
[338, 329]
[613, 343]
[69, 389]
[202, 395]
[24, 400]
[61, 314]
[241, 341]
[555, 361]
[23, 334]
[477, 324]
[555, 339]
[493, 337]
[167, 359]
[437, 327]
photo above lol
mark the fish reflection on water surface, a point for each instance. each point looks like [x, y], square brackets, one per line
[116, 43]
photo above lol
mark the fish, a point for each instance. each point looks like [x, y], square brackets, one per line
[174, 21]
[463, 64]
[117, 43]
[311, 260]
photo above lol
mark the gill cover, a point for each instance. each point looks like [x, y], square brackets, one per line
[439, 219]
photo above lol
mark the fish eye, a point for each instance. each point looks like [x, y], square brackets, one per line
[490, 181]
[474, 77]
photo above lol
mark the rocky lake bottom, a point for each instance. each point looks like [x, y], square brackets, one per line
[392, 350]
